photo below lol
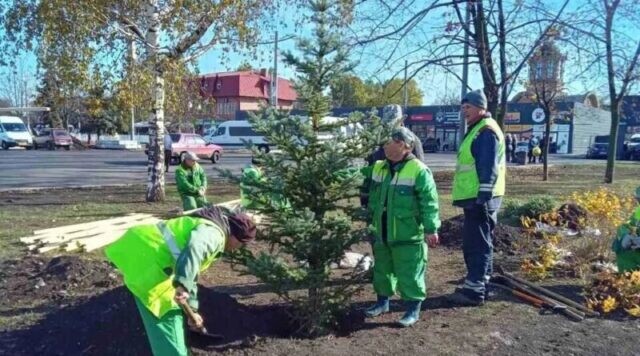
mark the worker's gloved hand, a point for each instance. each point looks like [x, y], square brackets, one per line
[202, 191]
[181, 295]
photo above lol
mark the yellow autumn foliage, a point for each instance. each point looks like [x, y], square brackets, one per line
[609, 292]
[604, 204]
[545, 258]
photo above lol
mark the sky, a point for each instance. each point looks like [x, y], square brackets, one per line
[434, 83]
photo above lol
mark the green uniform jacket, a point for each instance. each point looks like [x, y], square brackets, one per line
[412, 201]
[627, 260]
[190, 180]
[251, 176]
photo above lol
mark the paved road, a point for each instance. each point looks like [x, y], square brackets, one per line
[42, 168]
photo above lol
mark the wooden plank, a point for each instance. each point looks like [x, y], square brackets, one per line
[101, 239]
[84, 226]
[56, 232]
[52, 245]
[99, 228]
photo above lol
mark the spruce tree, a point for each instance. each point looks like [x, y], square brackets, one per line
[309, 189]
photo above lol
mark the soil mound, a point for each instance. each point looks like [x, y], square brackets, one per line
[504, 235]
[88, 311]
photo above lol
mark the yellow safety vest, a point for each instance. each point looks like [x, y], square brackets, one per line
[466, 183]
[146, 257]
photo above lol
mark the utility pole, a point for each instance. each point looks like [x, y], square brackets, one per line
[465, 78]
[132, 59]
[274, 75]
[406, 91]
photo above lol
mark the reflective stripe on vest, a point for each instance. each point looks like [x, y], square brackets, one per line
[466, 183]
[170, 240]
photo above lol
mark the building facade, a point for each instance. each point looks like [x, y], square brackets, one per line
[243, 91]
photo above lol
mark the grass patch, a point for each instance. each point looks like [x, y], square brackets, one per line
[24, 212]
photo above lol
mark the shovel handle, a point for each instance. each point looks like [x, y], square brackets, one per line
[190, 314]
[533, 300]
[572, 315]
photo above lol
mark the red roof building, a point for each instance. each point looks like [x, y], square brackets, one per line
[245, 90]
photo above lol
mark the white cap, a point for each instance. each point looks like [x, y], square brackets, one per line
[189, 155]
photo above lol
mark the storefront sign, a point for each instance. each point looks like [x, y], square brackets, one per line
[422, 117]
[538, 115]
[448, 116]
[512, 117]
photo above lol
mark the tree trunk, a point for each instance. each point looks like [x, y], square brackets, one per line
[155, 163]
[481, 44]
[615, 107]
[613, 140]
[502, 45]
[545, 149]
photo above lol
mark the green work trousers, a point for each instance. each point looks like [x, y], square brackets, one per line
[628, 261]
[400, 267]
[190, 202]
[167, 334]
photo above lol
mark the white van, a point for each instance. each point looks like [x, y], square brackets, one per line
[232, 133]
[347, 130]
[13, 132]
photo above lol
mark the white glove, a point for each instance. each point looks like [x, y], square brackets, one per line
[202, 191]
[630, 242]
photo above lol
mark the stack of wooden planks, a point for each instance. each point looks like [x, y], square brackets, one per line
[87, 236]
[92, 235]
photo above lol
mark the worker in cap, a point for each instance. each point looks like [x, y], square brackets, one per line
[161, 262]
[251, 178]
[251, 181]
[403, 206]
[478, 188]
[191, 181]
[392, 117]
[627, 242]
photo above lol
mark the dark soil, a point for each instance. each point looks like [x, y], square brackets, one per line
[504, 238]
[89, 312]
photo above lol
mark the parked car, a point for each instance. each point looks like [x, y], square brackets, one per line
[52, 139]
[14, 133]
[430, 145]
[598, 150]
[183, 142]
[632, 148]
[233, 134]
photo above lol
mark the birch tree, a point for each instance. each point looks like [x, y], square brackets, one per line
[100, 31]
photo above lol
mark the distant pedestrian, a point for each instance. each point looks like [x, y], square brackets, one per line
[533, 142]
[514, 144]
[508, 138]
[168, 143]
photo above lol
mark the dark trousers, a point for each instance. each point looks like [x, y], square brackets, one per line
[477, 247]
[167, 160]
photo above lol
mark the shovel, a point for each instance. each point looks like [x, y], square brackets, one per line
[198, 328]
